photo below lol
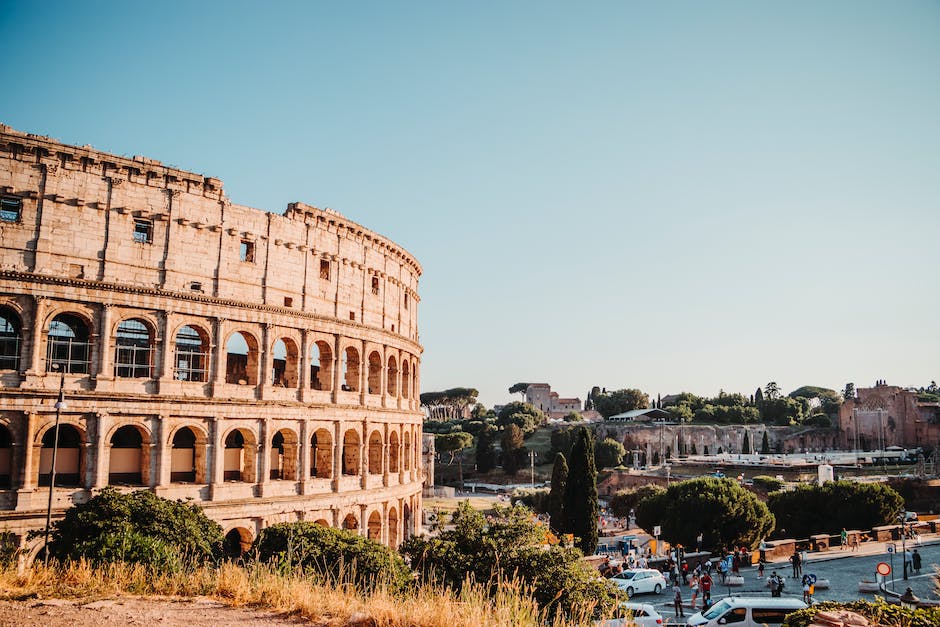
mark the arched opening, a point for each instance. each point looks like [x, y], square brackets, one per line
[351, 370]
[375, 373]
[374, 531]
[133, 350]
[375, 453]
[11, 336]
[284, 455]
[323, 522]
[191, 355]
[68, 345]
[392, 376]
[405, 378]
[6, 458]
[393, 528]
[128, 459]
[321, 452]
[284, 371]
[68, 462]
[321, 366]
[414, 380]
[350, 522]
[393, 452]
[406, 521]
[239, 465]
[237, 542]
[407, 450]
[241, 359]
[187, 457]
[351, 452]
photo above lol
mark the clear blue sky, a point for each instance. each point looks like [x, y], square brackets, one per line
[664, 195]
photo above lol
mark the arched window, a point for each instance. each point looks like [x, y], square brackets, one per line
[126, 463]
[351, 452]
[133, 350]
[321, 452]
[6, 457]
[407, 450]
[393, 452]
[68, 344]
[284, 455]
[241, 366]
[191, 355]
[350, 523]
[239, 463]
[236, 542]
[375, 373]
[392, 528]
[321, 366]
[405, 378]
[392, 376]
[284, 368]
[375, 526]
[68, 457]
[375, 453]
[183, 456]
[10, 338]
[351, 370]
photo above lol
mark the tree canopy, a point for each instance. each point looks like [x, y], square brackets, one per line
[809, 508]
[519, 388]
[625, 501]
[608, 453]
[724, 512]
[612, 403]
[523, 415]
[449, 404]
[581, 508]
[453, 443]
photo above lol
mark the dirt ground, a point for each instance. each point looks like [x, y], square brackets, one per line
[136, 611]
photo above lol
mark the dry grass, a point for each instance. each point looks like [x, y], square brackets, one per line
[332, 604]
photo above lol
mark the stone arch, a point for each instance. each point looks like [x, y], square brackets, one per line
[188, 446]
[241, 359]
[393, 527]
[351, 452]
[376, 448]
[237, 542]
[285, 372]
[11, 338]
[414, 380]
[323, 522]
[284, 455]
[374, 527]
[70, 463]
[6, 458]
[407, 448]
[191, 352]
[350, 522]
[407, 521]
[351, 369]
[129, 457]
[321, 366]
[239, 463]
[321, 453]
[375, 373]
[68, 343]
[392, 376]
[393, 458]
[405, 379]
[134, 349]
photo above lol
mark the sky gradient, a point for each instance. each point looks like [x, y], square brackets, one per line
[674, 196]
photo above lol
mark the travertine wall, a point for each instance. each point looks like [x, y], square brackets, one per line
[326, 407]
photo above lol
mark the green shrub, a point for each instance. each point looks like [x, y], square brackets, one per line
[768, 484]
[808, 509]
[137, 527]
[878, 613]
[625, 500]
[337, 554]
[535, 499]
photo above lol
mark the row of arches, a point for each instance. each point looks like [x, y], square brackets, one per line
[188, 455]
[69, 347]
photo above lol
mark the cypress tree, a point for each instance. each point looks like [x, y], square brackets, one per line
[486, 453]
[512, 448]
[765, 444]
[556, 496]
[581, 509]
[746, 446]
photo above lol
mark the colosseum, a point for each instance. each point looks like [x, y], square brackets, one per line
[265, 366]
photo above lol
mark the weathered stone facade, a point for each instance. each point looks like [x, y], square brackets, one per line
[889, 415]
[265, 366]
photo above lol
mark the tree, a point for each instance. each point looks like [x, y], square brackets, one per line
[772, 391]
[556, 496]
[608, 453]
[509, 545]
[519, 388]
[450, 404]
[573, 417]
[486, 451]
[746, 445]
[137, 527]
[562, 440]
[625, 501]
[724, 512]
[809, 508]
[619, 401]
[341, 556]
[581, 509]
[781, 411]
[848, 393]
[524, 415]
[453, 443]
[765, 444]
[758, 396]
[512, 448]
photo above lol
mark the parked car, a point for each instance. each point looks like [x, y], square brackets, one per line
[639, 614]
[747, 612]
[640, 580]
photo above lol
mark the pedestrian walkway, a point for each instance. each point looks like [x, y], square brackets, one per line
[864, 549]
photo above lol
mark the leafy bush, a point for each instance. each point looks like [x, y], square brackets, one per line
[818, 420]
[625, 500]
[768, 484]
[535, 499]
[137, 527]
[340, 555]
[878, 613]
[509, 545]
[608, 453]
[808, 509]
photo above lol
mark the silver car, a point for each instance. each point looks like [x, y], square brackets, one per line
[640, 580]
[640, 614]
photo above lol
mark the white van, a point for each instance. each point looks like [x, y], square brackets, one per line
[747, 612]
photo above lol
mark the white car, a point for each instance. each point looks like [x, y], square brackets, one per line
[640, 580]
[639, 614]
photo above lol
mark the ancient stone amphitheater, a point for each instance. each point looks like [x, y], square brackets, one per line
[265, 366]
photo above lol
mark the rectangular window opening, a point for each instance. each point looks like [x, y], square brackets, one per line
[247, 251]
[375, 285]
[406, 300]
[143, 231]
[195, 286]
[288, 301]
[324, 269]
[352, 315]
[10, 209]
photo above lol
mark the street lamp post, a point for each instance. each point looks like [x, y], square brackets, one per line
[903, 545]
[59, 406]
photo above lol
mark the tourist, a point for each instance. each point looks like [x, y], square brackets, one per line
[677, 601]
[698, 542]
[760, 567]
[797, 564]
[705, 583]
[915, 561]
[843, 539]
[693, 587]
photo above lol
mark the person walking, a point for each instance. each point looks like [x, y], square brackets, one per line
[705, 583]
[795, 561]
[760, 567]
[693, 587]
[698, 542]
[843, 539]
[916, 561]
[677, 601]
